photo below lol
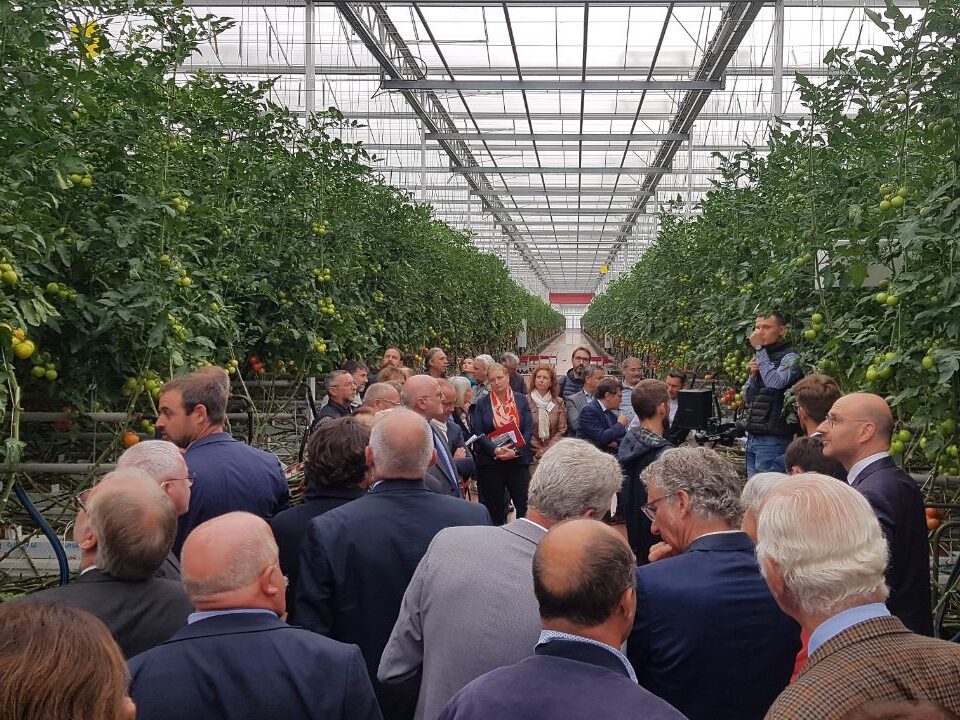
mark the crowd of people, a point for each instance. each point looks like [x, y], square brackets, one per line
[610, 565]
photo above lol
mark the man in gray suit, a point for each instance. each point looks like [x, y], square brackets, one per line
[470, 606]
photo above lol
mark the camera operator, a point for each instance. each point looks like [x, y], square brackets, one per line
[774, 368]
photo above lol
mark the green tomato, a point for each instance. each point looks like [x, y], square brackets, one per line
[881, 298]
[927, 362]
[816, 318]
[896, 448]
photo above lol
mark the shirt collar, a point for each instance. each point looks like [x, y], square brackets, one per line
[535, 525]
[550, 635]
[88, 569]
[204, 614]
[859, 466]
[842, 621]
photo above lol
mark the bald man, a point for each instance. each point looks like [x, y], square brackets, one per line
[857, 433]
[237, 658]
[583, 577]
[357, 560]
[422, 394]
[125, 527]
[381, 396]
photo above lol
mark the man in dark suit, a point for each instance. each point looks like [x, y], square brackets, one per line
[229, 475]
[334, 469]
[599, 422]
[164, 462]
[358, 559]
[857, 432]
[583, 580]
[341, 387]
[237, 659]
[125, 527]
[858, 650]
[422, 395]
[708, 637]
[462, 458]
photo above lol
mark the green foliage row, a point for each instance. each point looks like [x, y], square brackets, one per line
[151, 221]
[849, 225]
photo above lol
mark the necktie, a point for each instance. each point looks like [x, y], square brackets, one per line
[446, 464]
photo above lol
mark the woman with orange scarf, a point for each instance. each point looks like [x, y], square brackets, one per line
[508, 466]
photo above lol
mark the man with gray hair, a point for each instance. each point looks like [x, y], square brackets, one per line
[125, 527]
[631, 371]
[470, 606]
[341, 389]
[708, 637]
[511, 364]
[357, 559]
[422, 395]
[164, 462]
[823, 554]
[237, 658]
[480, 365]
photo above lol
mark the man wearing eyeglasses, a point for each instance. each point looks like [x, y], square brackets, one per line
[341, 389]
[163, 462]
[857, 432]
[708, 637]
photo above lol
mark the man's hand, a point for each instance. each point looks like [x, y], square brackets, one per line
[623, 420]
[459, 454]
[755, 338]
[754, 367]
[613, 444]
[660, 551]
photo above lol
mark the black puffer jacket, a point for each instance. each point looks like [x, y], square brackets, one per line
[638, 449]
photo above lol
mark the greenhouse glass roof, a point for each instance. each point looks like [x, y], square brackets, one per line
[551, 130]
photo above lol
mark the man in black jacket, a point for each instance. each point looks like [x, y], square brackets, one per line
[125, 527]
[640, 447]
[357, 560]
[573, 381]
[773, 370]
[341, 389]
[857, 432]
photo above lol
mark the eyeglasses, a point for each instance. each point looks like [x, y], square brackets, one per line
[189, 480]
[80, 499]
[650, 509]
[832, 420]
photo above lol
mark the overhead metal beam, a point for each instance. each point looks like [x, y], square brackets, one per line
[566, 137]
[601, 192]
[380, 36]
[554, 85]
[522, 170]
[374, 71]
[602, 116]
[559, 147]
[539, 3]
[734, 23]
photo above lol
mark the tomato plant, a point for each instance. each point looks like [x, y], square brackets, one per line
[151, 222]
[849, 225]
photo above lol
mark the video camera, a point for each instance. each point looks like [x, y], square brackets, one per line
[698, 410]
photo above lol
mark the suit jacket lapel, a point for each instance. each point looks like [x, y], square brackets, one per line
[884, 463]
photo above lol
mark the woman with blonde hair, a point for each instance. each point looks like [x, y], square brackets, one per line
[502, 466]
[59, 663]
[549, 412]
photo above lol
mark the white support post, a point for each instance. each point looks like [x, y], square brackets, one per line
[776, 100]
[690, 174]
[309, 60]
[423, 163]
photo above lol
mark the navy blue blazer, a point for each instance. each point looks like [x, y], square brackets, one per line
[357, 561]
[481, 422]
[291, 525]
[230, 476]
[563, 679]
[251, 666]
[709, 638]
[599, 426]
[898, 504]
[455, 439]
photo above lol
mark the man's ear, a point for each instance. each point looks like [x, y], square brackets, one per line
[87, 539]
[200, 411]
[368, 456]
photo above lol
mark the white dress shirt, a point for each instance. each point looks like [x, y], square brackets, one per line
[859, 466]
